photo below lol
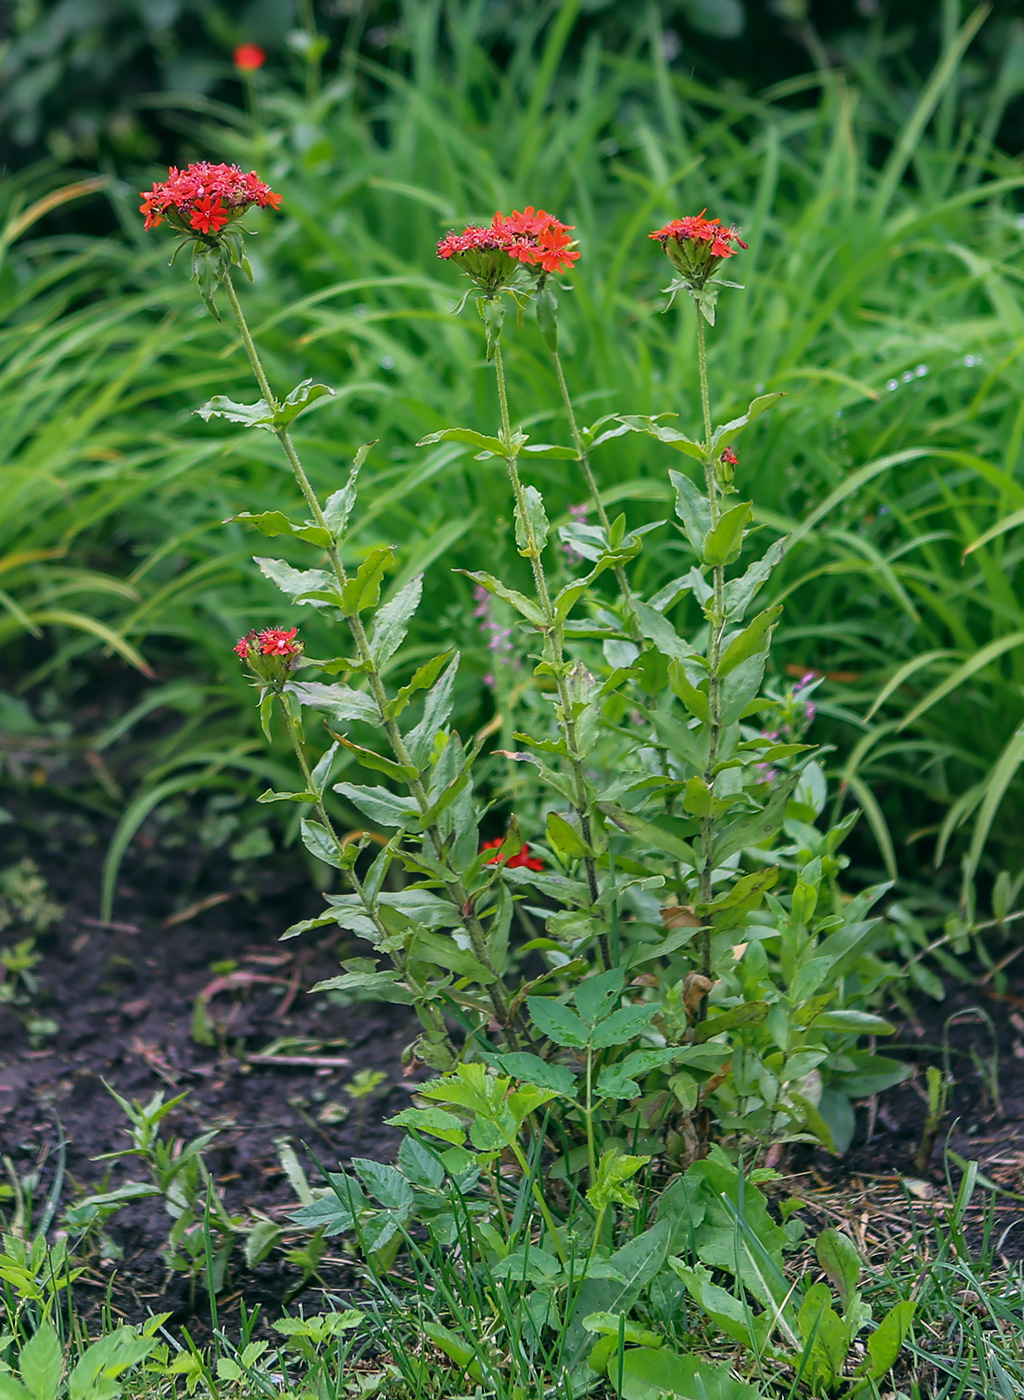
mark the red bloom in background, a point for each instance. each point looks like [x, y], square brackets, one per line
[523, 858]
[249, 57]
[276, 641]
[205, 197]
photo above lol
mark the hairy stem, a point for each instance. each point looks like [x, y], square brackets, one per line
[716, 626]
[456, 886]
[294, 727]
[554, 646]
[595, 494]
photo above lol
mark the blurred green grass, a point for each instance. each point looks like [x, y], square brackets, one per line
[883, 295]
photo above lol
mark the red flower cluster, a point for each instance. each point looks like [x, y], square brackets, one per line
[696, 229]
[729, 458]
[533, 237]
[272, 641]
[249, 57]
[205, 197]
[511, 862]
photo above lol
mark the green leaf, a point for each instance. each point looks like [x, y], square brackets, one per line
[381, 806]
[423, 677]
[363, 591]
[622, 1026]
[855, 1022]
[467, 436]
[340, 503]
[740, 592]
[657, 629]
[41, 1362]
[547, 316]
[654, 837]
[317, 840]
[751, 1013]
[295, 582]
[381, 986]
[886, 1342]
[693, 510]
[522, 1065]
[275, 522]
[391, 622]
[443, 951]
[753, 639]
[531, 523]
[303, 396]
[436, 712]
[565, 839]
[519, 601]
[558, 1022]
[401, 772]
[839, 1257]
[271, 796]
[648, 1373]
[724, 542]
[640, 424]
[728, 432]
[696, 701]
[250, 415]
[339, 701]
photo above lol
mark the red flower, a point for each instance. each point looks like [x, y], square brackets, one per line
[532, 237]
[276, 641]
[249, 57]
[204, 197]
[729, 457]
[511, 862]
[208, 214]
[696, 229]
[243, 645]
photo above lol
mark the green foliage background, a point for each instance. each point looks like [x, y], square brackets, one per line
[884, 296]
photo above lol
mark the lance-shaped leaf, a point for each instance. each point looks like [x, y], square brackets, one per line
[392, 621]
[363, 591]
[693, 510]
[318, 841]
[340, 503]
[275, 522]
[758, 826]
[751, 640]
[401, 772]
[640, 424]
[250, 415]
[740, 592]
[467, 436]
[339, 701]
[436, 711]
[724, 542]
[657, 629]
[751, 1013]
[423, 677]
[380, 806]
[654, 837]
[724, 435]
[296, 583]
[519, 601]
[302, 397]
[531, 523]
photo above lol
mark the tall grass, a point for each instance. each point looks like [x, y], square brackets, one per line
[883, 297]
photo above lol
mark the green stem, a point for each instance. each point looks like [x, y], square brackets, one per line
[595, 494]
[457, 889]
[554, 646]
[716, 631]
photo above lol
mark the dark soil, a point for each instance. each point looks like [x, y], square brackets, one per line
[123, 996]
